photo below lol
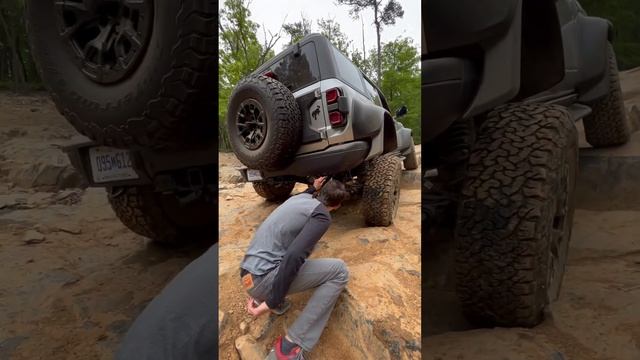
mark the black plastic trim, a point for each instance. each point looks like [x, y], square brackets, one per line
[448, 86]
[367, 119]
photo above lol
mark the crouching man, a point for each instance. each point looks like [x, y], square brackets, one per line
[276, 265]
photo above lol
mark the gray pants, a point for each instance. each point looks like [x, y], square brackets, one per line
[329, 277]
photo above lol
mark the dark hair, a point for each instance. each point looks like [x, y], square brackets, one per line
[333, 193]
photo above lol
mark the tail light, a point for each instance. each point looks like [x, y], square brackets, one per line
[333, 95]
[271, 74]
[336, 118]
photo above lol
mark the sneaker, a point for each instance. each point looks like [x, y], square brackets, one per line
[276, 352]
[286, 304]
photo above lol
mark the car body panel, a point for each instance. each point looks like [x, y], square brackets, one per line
[478, 64]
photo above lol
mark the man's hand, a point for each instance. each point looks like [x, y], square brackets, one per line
[317, 183]
[256, 310]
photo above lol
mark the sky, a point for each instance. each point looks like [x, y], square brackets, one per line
[272, 13]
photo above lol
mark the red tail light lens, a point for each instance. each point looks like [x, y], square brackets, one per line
[332, 95]
[336, 118]
[270, 74]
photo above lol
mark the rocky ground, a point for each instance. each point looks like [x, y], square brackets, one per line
[72, 277]
[378, 317]
[597, 316]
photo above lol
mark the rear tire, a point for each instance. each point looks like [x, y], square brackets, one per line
[607, 125]
[156, 94]
[274, 190]
[515, 215]
[161, 218]
[381, 190]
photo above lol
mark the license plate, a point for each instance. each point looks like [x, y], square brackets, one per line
[253, 175]
[110, 164]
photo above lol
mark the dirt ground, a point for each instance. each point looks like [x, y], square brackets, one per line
[597, 316]
[378, 317]
[72, 277]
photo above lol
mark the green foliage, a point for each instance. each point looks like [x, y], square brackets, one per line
[331, 30]
[17, 67]
[625, 16]
[365, 63]
[382, 15]
[400, 81]
[297, 30]
[240, 53]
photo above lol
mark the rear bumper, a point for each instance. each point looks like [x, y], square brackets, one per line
[333, 160]
[166, 171]
[78, 153]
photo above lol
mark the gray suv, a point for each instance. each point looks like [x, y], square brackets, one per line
[310, 111]
[503, 84]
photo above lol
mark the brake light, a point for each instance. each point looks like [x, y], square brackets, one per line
[333, 95]
[336, 118]
[270, 74]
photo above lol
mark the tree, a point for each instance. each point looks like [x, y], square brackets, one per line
[365, 63]
[16, 63]
[331, 30]
[400, 80]
[625, 16]
[382, 15]
[297, 30]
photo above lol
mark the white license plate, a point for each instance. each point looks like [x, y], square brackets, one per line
[110, 164]
[253, 175]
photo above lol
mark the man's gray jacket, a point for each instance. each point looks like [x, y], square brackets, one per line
[285, 240]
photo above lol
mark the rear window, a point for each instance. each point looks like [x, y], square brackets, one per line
[349, 72]
[298, 71]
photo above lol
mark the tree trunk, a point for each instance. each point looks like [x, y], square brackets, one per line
[17, 69]
[2, 63]
[364, 51]
[378, 65]
[21, 65]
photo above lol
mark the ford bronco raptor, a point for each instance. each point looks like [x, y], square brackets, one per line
[503, 83]
[310, 111]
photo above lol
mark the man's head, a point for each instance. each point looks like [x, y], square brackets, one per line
[332, 194]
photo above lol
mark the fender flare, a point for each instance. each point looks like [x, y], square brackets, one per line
[596, 33]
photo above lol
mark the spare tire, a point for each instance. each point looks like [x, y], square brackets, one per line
[130, 73]
[264, 123]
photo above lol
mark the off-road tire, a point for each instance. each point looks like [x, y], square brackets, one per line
[274, 190]
[165, 102]
[517, 196]
[160, 218]
[283, 123]
[381, 190]
[411, 161]
[607, 125]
